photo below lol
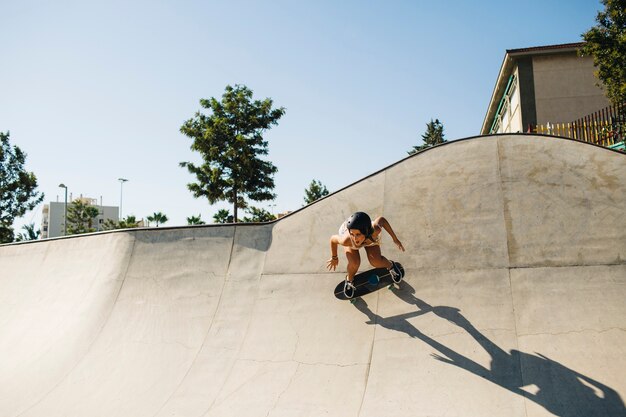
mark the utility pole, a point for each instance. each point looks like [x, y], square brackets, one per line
[65, 221]
[122, 181]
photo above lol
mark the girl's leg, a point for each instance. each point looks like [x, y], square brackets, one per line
[354, 261]
[376, 259]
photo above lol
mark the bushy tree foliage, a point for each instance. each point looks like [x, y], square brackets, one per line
[258, 215]
[129, 222]
[81, 217]
[18, 187]
[222, 216]
[230, 141]
[433, 136]
[606, 43]
[315, 191]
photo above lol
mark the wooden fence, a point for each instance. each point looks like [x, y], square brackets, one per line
[606, 127]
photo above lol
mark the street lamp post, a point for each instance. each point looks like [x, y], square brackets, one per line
[65, 221]
[122, 181]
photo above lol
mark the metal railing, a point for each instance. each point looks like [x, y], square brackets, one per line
[606, 127]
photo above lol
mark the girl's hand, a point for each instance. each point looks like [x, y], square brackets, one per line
[399, 245]
[332, 263]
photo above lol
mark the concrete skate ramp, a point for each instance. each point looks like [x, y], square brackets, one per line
[513, 304]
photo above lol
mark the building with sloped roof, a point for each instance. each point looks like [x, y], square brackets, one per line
[542, 85]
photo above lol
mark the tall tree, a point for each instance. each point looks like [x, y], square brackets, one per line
[433, 136]
[17, 187]
[315, 191]
[606, 43]
[80, 217]
[158, 218]
[230, 141]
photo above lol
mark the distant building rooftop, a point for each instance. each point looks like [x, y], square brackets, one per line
[545, 48]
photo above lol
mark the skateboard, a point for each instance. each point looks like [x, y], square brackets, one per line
[367, 282]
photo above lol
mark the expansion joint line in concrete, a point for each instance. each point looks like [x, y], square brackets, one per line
[369, 362]
[230, 254]
[505, 209]
[507, 238]
[564, 265]
[519, 358]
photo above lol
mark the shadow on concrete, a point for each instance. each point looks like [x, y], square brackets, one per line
[560, 390]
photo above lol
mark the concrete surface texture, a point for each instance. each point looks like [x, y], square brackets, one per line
[513, 303]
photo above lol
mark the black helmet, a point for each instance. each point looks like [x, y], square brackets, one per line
[360, 221]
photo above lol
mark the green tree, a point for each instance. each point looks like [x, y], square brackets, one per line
[158, 218]
[80, 217]
[433, 136]
[259, 215]
[29, 233]
[230, 141]
[110, 224]
[17, 187]
[129, 222]
[222, 216]
[195, 220]
[315, 191]
[606, 43]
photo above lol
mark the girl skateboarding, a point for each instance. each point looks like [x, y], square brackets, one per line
[359, 231]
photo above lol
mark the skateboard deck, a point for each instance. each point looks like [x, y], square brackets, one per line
[367, 282]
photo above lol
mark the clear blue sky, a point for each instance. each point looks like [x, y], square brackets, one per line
[93, 91]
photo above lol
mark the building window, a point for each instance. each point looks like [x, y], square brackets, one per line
[502, 119]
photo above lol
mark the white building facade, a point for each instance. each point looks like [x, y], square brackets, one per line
[53, 217]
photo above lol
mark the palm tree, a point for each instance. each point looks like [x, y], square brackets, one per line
[195, 220]
[158, 217]
[129, 222]
[29, 233]
[222, 216]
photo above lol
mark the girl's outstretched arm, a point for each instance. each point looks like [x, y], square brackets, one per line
[382, 222]
[332, 263]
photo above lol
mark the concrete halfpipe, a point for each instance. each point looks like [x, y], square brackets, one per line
[513, 303]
